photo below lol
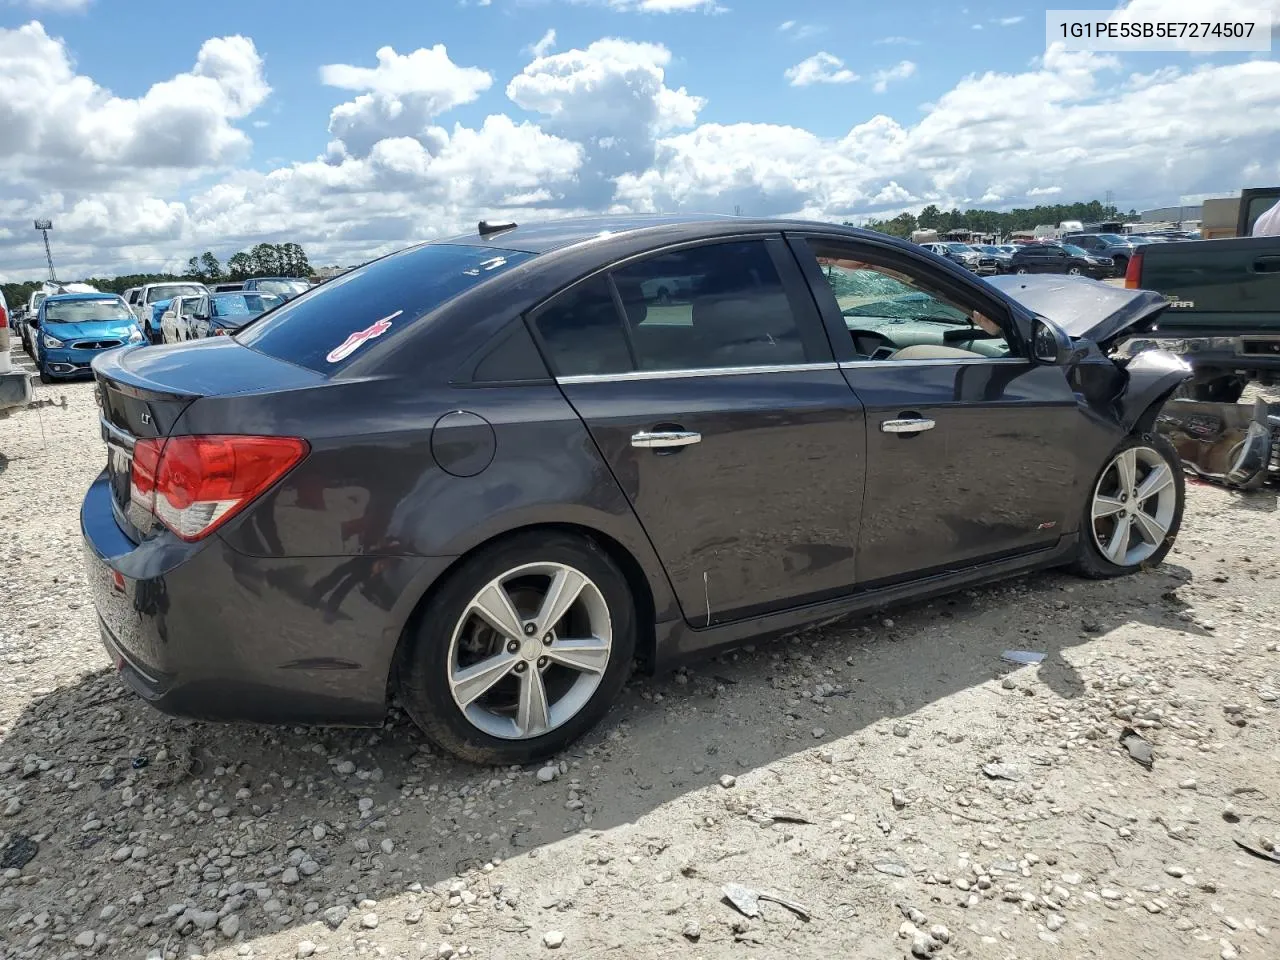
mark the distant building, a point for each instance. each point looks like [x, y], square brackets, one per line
[1191, 211]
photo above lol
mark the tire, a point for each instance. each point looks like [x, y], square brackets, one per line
[45, 377]
[431, 655]
[1121, 265]
[1092, 562]
[1022, 270]
[1074, 271]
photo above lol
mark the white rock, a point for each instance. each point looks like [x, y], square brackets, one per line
[548, 773]
[388, 846]
[319, 832]
[1055, 922]
[84, 939]
[728, 780]
[289, 877]
[306, 948]
[552, 939]
[369, 921]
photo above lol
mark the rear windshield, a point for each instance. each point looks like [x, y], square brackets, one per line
[86, 311]
[170, 290]
[289, 288]
[332, 323]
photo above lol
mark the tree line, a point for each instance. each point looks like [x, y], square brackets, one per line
[1000, 223]
[263, 260]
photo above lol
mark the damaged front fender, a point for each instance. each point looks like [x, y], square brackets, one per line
[1151, 376]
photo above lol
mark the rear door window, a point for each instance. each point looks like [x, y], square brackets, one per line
[327, 326]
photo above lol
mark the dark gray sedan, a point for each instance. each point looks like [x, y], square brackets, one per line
[488, 474]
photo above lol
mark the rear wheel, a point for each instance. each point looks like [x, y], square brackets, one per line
[1022, 270]
[521, 651]
[1134, 509]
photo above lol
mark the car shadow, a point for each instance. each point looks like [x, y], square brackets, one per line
[95, 771]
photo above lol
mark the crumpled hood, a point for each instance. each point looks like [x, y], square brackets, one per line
[92, 330]
[1084, 307]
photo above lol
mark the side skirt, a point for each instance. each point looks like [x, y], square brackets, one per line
[677, 641]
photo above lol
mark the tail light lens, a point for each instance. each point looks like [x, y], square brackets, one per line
[193, 485]
[4, 318]
[1133, 272]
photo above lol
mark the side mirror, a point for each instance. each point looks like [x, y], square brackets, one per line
[1049, 343]
[34, 322]
[199, 316]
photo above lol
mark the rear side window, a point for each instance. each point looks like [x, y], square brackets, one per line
[581, 331]
[330, 324]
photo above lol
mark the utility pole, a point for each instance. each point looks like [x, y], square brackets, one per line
[44, 226]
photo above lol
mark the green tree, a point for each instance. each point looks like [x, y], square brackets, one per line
[929, 218]
[240, 266]
[193, 268]
[210, 268]
[298, 264]
[266, 259]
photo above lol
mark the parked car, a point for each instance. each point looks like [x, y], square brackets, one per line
[488, 474]
[230, 286]
[1106, 245]
[173, 317]
[965, 255]
[142, 301]
[1060, 258]
[70, 329]
[222, 314]
[15, 385]
[1002, 257]
[1223, 314]
[287, 287]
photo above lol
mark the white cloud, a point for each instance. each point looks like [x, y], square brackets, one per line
[611, 97]
[1008, 21]
[897, 41]
[822, 67]
[605, 130]
[800, 31]
[399, 97]
[899, 71]
[54, 6]
[58, 124]
[666, 6]
[543, 46]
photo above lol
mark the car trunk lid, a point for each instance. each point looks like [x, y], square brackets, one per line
[143, 391]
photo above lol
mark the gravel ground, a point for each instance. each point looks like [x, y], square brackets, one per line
[890, 776]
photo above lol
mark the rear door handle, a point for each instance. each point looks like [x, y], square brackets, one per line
[1266, 265]
[912, 425]
[665, 438]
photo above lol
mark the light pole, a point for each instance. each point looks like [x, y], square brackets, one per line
[44, 226]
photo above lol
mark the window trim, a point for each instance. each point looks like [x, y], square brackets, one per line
[894, 258]
[794, 285]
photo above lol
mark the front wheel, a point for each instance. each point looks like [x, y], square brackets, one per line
[1022, 270]
[1073, 271]
[521, 650]
[1134, 509]
[45, 377]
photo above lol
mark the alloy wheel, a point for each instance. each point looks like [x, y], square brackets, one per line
[529, 650]
[1134, 504]
[1023, 270]
[1074, 271]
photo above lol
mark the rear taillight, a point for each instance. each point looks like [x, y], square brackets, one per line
[193, 485]
[1133, 272]
[4, 318]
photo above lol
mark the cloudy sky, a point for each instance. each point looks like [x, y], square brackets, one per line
[149, 131]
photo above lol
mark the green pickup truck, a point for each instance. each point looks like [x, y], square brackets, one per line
[1224, 310]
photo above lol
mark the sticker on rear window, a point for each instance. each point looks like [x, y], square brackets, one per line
[354, 342]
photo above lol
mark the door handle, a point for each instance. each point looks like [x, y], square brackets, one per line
[913, 425]
[1266, 265]
[665, 438]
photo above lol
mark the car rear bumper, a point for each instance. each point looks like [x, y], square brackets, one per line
[204, 631]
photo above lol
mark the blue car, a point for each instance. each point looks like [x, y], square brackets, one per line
[71, 329]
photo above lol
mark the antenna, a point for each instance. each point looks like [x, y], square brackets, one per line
[44, 226]
[486, 228]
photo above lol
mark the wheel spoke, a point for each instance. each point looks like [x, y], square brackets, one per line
[565, 587]
[590, 655]
[494, 607]
[1156, 480]
[1118, 545]
[1127, 468]
[1150, 529]
[475, 681]
[1106, 507]
[533, 716]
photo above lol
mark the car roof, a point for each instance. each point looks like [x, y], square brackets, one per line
[546, 235]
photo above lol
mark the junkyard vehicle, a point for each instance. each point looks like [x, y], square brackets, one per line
[1224, 310]
[1060, 258]
[222, 314]
[965, 255]
[71, 329]
[175, 317]
[142, 301]
[15, 385]
[488, 473]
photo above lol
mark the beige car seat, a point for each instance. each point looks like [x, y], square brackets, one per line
[929, 351]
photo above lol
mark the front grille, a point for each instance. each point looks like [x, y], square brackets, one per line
[987, 262]
[95, 344]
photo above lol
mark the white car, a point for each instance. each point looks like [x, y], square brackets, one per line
[142, 300]
[175, 322]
